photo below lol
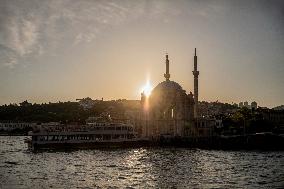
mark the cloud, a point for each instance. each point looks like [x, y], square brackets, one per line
[24, 37]
[18, 33]
[33, 28]
[8, 57]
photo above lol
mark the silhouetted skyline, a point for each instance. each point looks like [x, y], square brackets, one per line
[63, 50]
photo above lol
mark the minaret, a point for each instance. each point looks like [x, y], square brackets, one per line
[167, 74]
[195, 74]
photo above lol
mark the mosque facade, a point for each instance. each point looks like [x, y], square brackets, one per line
[169, 111]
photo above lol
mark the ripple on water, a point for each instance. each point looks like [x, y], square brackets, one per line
[11, 162]
[138, 168]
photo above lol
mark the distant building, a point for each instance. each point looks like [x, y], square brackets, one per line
[246, 104]
[275, 117]
[86, 103]
[253, 105]
[281, 107]
[25, 103]
[216, 109]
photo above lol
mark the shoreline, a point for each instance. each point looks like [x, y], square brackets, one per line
[267, 142]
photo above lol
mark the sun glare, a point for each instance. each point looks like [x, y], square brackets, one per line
[147, 89]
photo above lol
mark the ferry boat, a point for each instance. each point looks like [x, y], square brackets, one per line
[92, 135]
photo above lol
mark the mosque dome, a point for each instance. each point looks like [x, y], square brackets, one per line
[167, 86]
[166, 94]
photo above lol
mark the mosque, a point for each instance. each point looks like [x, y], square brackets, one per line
[169, 111]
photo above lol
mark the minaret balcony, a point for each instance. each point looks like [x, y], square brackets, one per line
[195, 73]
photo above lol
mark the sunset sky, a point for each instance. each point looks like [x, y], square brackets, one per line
[61, 50]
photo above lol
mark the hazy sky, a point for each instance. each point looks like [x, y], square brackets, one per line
[59, 50]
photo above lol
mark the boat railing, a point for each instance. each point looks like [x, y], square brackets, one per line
[84, 128]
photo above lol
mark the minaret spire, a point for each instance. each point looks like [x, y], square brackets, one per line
[195, 74]
[167, 74]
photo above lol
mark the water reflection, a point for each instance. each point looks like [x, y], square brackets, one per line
[137, 168]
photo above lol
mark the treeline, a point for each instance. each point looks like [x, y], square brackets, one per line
[215, 108]
[64, 112]
[235, 120]
[246, 121]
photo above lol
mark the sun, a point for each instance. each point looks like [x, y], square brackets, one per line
[147, 89]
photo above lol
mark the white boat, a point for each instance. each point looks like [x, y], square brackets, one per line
[92, 135]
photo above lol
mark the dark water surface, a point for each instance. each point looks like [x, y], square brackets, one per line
[138, 168]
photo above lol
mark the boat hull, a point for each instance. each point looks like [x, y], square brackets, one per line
[91, 145]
